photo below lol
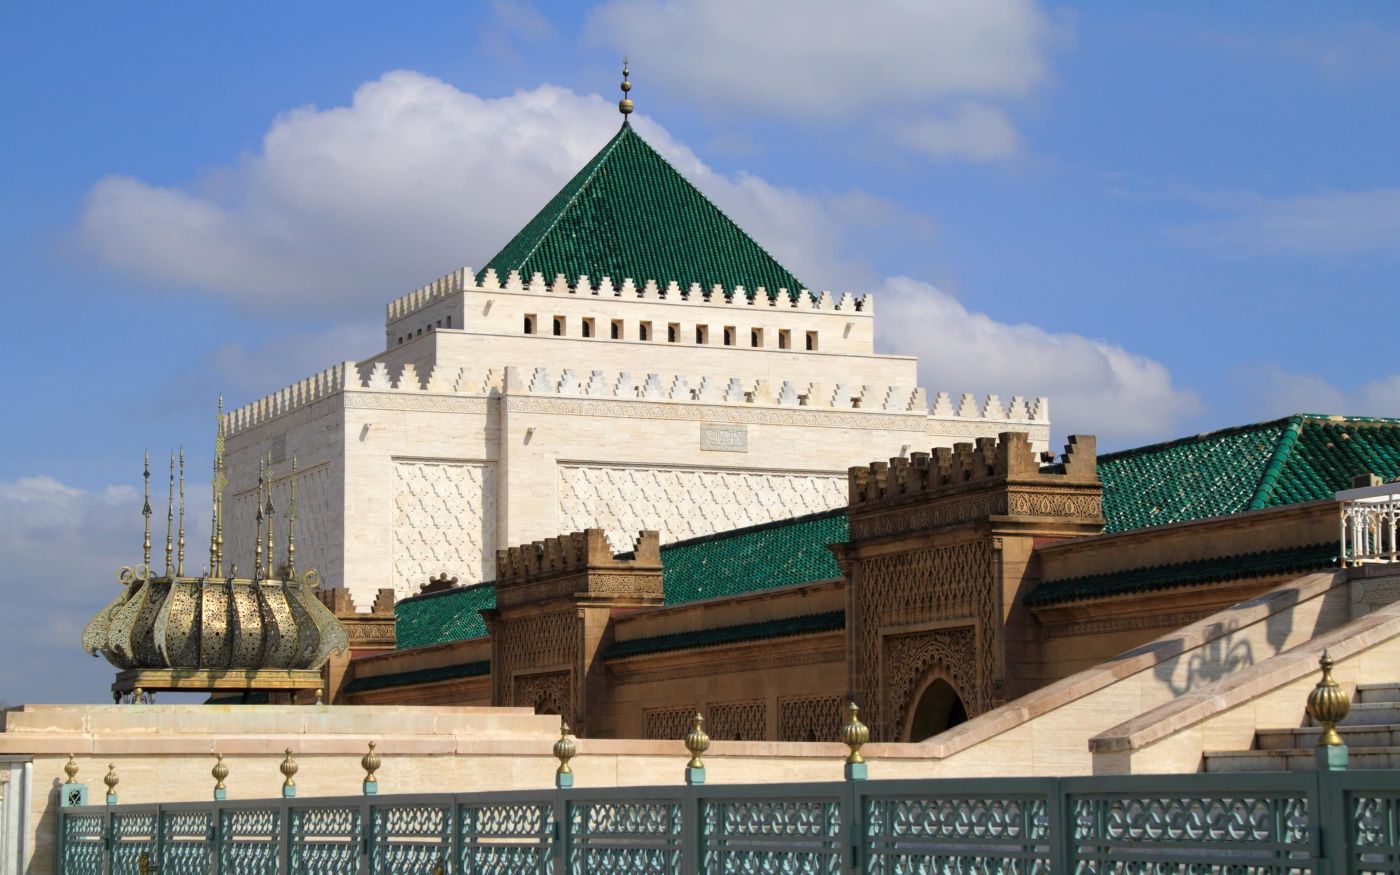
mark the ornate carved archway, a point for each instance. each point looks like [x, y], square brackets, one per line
[913, 661]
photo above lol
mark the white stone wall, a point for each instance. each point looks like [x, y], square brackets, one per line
[444, 521]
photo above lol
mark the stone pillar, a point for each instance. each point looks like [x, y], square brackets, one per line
[368, 632]
[940, 558]
[553, 619]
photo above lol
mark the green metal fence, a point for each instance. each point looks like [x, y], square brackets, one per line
[1325, 822]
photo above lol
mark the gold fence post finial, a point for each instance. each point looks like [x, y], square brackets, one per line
[624, 105]
[564, 750]
[70, 769]
[143, 864]
[1329, 704]
[855, 735]
[220, 771]
[111, 780]
[370, 763]
[697, 742]
[289, 768]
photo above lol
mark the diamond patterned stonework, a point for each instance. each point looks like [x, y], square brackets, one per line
[685, 503]
[444, 520]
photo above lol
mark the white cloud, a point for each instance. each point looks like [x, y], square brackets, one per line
[973, 130]
[60, 546]
[1270, 391]
[1328, 222]
[1095, 387]
[833, 56]
[932, 64]
[350, 206]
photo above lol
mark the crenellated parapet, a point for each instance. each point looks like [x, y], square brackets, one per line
[640, 386]
[466, 280]
[581, 564]
[990, 477]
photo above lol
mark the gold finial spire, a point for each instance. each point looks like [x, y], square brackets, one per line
[271, 570]
[216, 513]
[1328, 703]
[291, 573]
[170, 520]
[180, 544]
[257, 538]
[624, 105]
[146, 512]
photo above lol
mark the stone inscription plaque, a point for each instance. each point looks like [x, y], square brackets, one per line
[724, 438]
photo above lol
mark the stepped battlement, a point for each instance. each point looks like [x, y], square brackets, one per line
[1008, 456]
[465, 280]
[629, 386]
[572, 553]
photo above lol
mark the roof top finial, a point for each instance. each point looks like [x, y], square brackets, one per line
[624, 105]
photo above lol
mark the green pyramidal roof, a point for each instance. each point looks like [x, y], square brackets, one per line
[630, 214]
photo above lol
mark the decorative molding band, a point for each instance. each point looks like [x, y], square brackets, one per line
[1125, 624]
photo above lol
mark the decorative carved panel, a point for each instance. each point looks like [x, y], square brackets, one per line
[548, 693]
[444, 520]
[937, 584]
[667, 724]
[686, 502]
[909, 658]
[523, 645]
[810, 718]
[738, 721]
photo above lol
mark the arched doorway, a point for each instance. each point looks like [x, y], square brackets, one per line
[939, 708]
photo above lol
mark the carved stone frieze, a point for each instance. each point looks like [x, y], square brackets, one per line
[685, 502]
[908, 659]
[810, 718]
[444, 519]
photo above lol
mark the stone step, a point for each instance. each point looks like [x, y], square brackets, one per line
[1367, 714]
[1374, 694]
[1361, 735]
[1297, 759]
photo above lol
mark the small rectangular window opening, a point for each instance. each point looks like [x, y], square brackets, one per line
[558, 326]
[587, 327]
[617, 329]
[784, 338]
[530, 324]
[702, 334]
[811, 341]
[644, 331]
[673, 332]
[756, 338]
[729, 335]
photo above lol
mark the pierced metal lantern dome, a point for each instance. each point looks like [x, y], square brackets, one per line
[217, 631]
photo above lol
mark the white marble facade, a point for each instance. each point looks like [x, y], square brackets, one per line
[704, 414]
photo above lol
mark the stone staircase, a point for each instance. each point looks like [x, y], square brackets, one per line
[1371, 732]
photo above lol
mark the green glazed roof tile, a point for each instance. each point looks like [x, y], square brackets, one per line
[1195, 573]
[629, 214]
[729, 563]
[1269, 464]
[803, 625]
[439, 617]
[755, 558]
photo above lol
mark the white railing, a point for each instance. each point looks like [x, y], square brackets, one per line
[1371, 524]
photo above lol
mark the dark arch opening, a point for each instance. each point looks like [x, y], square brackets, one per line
[940, 708]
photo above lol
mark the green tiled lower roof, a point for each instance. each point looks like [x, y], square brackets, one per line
[729, 563]
[629, 214]
[804, 625]
[420, 676]
[1301, 458]
[439, 617]
[755, 558]
[1195, 573]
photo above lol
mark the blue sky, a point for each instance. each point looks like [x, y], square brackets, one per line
[1166, 217]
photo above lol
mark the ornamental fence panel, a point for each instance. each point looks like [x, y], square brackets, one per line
[1252, 823]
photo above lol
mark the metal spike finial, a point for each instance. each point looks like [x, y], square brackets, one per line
[258, 536]
[271, 569]
[624, 105]
[146, 512]
[170, 520]
[291, 573]
[217, 484]
[180, 544]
